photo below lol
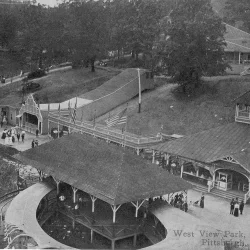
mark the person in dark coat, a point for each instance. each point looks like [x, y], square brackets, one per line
[232, 206]
[241, 207]
[176, 199]
[18, 136]
[33, 144]
[37, 131]
[202, 201]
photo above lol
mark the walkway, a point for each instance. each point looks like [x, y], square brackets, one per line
[212, 219]
[19, 78]
[22, 146]
[22, 213]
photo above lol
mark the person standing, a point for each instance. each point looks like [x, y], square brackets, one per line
[236, 209]
[1, 123]
[202, 201]
[36, 143]
[23, 135]
[33, 144]
[37, 132]
[18, 136]
[232, 206]
[241, 207]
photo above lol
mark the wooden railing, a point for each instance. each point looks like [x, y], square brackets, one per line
[246, 196]
[104, 132]
[244, 114]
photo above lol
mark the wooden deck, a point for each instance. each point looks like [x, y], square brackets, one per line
[109, 134]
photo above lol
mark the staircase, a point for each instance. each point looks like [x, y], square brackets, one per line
[217, 192]
[227, 194]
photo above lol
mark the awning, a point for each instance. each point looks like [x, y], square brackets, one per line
[20, 115]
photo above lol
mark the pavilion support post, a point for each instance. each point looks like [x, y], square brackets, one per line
[138, 151]
[197, 172]
[239, 57]
[48, 126]
[181, 170]
[134, 240]
[137, 206]
[93, 199]
[91, 235]
[74, 194]
[57, 185]
[58, 128]
[214, 178]
[153, 159]
[114, 209]
[112, 244]
[73, 224]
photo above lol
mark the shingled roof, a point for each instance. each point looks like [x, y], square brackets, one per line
[106, 171]
[243, 98]
[237, 40]
[214, 144]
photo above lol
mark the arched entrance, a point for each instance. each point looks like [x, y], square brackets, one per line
[227, 179]
[30, 118]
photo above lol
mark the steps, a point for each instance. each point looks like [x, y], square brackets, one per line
[227, 194]
[217, 192]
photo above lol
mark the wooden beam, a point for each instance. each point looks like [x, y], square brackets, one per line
[114, 209]
[93, 199]
[74, 193]
[137, 206]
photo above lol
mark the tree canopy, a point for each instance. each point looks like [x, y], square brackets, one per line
[238, 12]
[192, 43]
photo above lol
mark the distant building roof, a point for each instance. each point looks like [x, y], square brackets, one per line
[213, 145]
[237, 40]
[106, 171]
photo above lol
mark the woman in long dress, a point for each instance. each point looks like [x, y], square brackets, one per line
[236, 209]
[202, 201]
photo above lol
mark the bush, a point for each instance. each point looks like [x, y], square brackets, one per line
[36, 74]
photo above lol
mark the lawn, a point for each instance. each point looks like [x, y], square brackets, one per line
[58, 86]
[209, 107]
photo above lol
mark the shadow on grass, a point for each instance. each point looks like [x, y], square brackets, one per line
[192, 93]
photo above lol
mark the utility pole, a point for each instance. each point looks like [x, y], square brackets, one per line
[139, 101]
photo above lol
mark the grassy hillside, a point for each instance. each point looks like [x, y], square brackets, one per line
[211, 106]
[58, 86]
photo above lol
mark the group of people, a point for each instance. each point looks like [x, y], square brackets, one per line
[179, 201]
[236, 207]
[10, 135]
[34, 143]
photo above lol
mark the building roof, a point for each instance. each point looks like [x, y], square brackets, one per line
[208, 146]
[103, 170]
[237, 40]
[243, 98]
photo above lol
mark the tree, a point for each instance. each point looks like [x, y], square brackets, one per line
[238, 12]
[87, 32]
[193, 43]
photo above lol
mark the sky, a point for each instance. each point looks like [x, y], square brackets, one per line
[47, 2]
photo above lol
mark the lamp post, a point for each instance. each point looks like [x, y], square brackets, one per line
[139, 82]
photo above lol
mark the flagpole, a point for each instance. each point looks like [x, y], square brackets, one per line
[58, 126]
[48, 118]
[139, 82]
